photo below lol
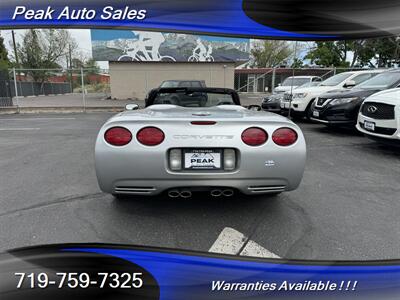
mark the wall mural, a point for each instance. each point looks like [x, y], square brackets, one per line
[122, 45]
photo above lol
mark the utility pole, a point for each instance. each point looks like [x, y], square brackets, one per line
[291, 86]
[70, 68]
[15, 48]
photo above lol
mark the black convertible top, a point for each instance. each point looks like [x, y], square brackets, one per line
[153, 93]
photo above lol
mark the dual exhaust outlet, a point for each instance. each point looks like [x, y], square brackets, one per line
[185, 193]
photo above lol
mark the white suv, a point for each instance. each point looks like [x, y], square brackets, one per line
[379, 116]
[294, 82]
[303, 97]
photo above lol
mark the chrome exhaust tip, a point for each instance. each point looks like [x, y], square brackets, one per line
[228, 193]
[185, 194]
[173, 194]
[216, 193]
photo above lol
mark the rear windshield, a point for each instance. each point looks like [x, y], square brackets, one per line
[170, 84]
[194, 99]
[178, 83]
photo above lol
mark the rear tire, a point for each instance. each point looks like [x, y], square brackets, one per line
[119, 197]
[308, 112]
[274, 194]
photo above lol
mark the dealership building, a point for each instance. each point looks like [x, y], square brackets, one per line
[139, 61]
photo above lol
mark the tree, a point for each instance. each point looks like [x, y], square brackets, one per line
[271, 53]
[297, 63]
[387, 51]
[43, 49]
[381, 52]
[329, 54]
[4, 62]
[92, 66]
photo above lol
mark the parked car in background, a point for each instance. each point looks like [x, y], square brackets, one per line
[182, 83]
[379, 117]
[293, 82]
[301, 100]
[341, 108]
[273, 102]
[178, 84]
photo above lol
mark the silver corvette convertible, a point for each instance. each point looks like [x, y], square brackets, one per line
[198, 139]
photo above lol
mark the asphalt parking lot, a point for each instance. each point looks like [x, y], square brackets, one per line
[347, 206]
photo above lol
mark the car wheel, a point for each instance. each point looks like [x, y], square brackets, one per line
[274, 194]
[119, 197]
[296, 117]
[308, 112]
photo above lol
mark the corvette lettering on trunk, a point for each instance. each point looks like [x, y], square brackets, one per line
[204, 137]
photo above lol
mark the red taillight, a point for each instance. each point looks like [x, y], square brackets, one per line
[150, 136]
[284, 136]
[254, 136]
[118, 136]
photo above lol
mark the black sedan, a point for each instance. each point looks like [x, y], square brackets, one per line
[341, 108]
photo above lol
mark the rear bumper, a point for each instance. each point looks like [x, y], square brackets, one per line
[155, 186]
[137, 169]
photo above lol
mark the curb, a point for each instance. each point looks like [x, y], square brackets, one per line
[58, 109]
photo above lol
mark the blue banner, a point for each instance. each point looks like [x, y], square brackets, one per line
[283, 19]
[85, 271]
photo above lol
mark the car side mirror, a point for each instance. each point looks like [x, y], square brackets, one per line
[349, 84]
[254, 107]
[132, 107]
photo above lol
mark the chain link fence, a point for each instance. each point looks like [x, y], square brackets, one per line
[265, 80]
[57, 89]
[80, 89]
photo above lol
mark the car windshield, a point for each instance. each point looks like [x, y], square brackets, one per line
[194, 99]
[295, 81]
[336, 79]
[381, 81]
[308, 84]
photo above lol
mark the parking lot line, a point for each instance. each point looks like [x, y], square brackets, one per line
[231, 241]
[255, 250]
[34, 119]
[18, 129]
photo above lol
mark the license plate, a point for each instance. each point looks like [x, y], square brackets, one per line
[315, 114]
[282, 105]
[369, 125]
[203, 159]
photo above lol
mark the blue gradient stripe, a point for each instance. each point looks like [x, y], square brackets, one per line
[181, 275]
[224, 17]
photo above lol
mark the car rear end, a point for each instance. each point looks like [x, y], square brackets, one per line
[200, 154]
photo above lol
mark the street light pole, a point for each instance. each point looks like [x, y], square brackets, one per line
[15, 48]
[291, 86]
